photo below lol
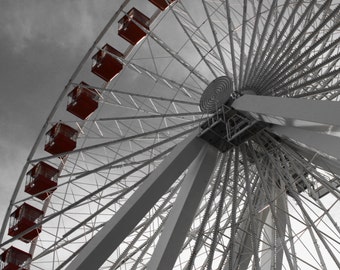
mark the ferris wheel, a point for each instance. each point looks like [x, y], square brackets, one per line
[192, 135]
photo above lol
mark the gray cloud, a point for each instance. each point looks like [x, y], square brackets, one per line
[42, 41]
[61, 23]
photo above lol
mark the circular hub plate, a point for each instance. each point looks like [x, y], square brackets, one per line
[216, 94]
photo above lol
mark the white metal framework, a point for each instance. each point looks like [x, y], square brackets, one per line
[158, 182]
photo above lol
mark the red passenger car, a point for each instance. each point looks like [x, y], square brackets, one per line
[24, 218]
[82, 101]
[15, 259]
[61, 138]
[162, 4]
[41, 180]
[105, 65]
[129, 29]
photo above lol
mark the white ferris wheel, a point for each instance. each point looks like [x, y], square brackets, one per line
[192, 135]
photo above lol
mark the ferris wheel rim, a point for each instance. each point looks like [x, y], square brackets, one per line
[194, 71]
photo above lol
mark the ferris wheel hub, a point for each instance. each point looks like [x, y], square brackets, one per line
[216, 94]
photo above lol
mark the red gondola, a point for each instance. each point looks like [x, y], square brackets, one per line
[15, 259]
[23, 218]
[162, 4]
[105, 65]
[61, 138]
[82, 101]
[129, 29]
[41, 180]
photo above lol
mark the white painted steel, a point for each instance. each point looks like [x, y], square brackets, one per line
[128, 188]
[184, 209]
[94, 254]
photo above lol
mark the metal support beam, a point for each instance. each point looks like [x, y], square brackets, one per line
[184, 209]
[101, 246]
[249, 228]
[272, 254]
[284, 111]
[325, 163]
[268, 185]
[322, 143]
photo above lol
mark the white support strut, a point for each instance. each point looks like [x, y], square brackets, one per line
[320, 142]
[183, 211]
[286, 111]
[272, 250]
[102, 245]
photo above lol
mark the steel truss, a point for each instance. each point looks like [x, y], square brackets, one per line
[155, 182]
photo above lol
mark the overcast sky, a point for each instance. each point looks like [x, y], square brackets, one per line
[42, 41]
